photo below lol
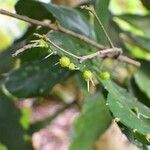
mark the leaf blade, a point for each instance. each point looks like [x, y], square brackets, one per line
[122, 103]
[93, 114]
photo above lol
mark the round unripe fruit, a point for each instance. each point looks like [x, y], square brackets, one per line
[64, 61]
[49, 50]
[148, 137]
[87, 75]
[72, 66]
[42, 43]
[105, 75]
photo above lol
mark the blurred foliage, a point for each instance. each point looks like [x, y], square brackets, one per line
[10, 28]
[11, 130]
[127, 6]
[5, 40]
[127, 23]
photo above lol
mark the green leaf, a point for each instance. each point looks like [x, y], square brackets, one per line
[3, 147]
[142, 97]
[7, 61]
[141, 42]
[67, 17]
[146, 3]
[93, 120]
[141, 138]
[142, 78]
[138, 21]
[35, 78]
[124, 106]
[25, 118]
[33, 9]
[101, 8]
[71, 19]
[136, 51]
[11, 130]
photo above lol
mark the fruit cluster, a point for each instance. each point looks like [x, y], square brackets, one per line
[87, 74]
[65, 62]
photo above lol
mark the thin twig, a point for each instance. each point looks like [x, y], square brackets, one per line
[52, 53]
[110, 52]
[128, 60]
[100, 23]
[27, 19]
[33, 45]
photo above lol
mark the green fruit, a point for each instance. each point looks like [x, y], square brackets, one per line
[72, 66]
[105, 75]
[64, 61]
[49, 50]
[148, 137]
[42, 43]
[87, 75]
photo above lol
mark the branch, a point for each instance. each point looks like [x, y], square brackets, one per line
[110, 52]
[74, 34]
[129, 60]
[25, 48]
[27, 19]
